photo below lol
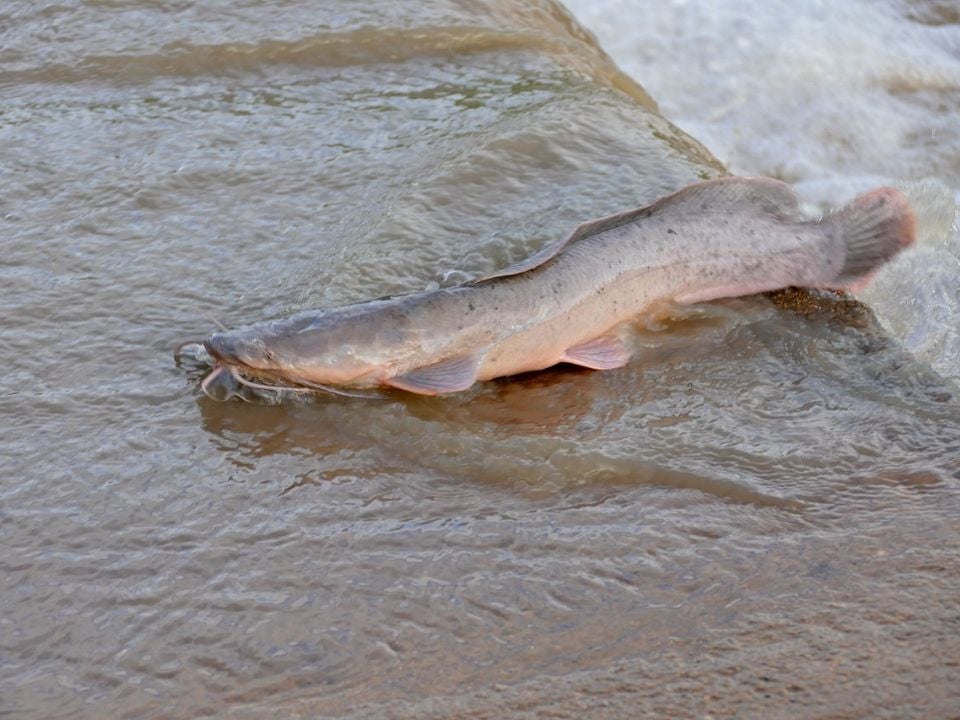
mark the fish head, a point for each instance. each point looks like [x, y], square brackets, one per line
[310, 347]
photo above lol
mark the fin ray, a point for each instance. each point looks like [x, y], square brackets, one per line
[548, 252]
[606, 352]
[446, 376]
[875, 226]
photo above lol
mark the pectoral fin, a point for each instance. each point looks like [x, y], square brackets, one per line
[603, 353]
[446, 376]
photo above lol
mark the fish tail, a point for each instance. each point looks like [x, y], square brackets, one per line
[874, 227]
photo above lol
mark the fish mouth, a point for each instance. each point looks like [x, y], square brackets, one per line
[228, 349]
[216, 350]
[229, 355]
[226, 364]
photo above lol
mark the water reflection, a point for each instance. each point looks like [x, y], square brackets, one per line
[779, 375]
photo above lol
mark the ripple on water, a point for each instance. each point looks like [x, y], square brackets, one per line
[764, 498]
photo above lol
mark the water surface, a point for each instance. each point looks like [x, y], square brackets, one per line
[758, 514]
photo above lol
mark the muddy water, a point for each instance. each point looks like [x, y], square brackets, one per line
[757, 517]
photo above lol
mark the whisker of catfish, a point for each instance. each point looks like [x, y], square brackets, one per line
[260, 386]
[213, 375]
[216, 322]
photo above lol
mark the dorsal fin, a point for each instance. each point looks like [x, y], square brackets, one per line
[765, 195]
[762, 194]
[536, 260]
[726, 194]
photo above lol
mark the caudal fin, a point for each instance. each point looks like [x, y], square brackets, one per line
[874, 227]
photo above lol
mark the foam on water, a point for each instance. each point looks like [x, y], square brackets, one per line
[841, 98]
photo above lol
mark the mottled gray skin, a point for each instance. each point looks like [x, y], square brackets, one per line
[722, 238]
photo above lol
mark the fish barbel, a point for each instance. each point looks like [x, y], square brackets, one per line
[572, 301]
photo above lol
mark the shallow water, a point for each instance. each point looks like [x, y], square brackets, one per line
[757, 517]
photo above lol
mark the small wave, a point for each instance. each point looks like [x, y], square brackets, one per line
[363, 46]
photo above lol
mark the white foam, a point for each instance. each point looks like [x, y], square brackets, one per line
[833, 97]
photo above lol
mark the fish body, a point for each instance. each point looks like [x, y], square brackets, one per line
[572, 301]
